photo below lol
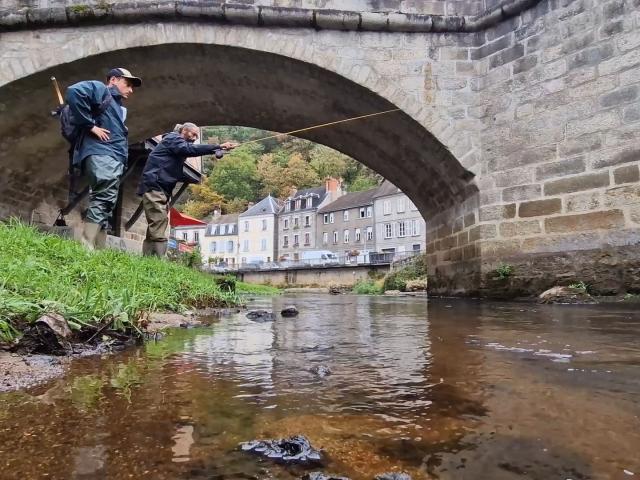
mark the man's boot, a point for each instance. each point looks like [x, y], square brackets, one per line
[148, 248]
[160, 249]
[89, 233]
[101, 239]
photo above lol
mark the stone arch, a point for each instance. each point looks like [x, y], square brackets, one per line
[222, 84]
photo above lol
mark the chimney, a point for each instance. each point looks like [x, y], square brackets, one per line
[333, 187]
[217, 212]
[250, 204]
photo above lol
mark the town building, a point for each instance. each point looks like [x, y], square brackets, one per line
[346, 226]
[220, 244]
[185, 231]
[297, 220]
[257, 232]
[399, 226]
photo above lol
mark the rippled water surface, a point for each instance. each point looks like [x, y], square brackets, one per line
[438, 389]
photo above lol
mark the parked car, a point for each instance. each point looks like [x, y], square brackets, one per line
[319, 257]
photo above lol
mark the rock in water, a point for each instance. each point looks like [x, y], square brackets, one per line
[568, 295]
[321, 476]
[320, 370]
[393, 476]
[296, 449]
[260, 316]
[289, 311]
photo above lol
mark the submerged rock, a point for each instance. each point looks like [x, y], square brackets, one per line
[393, 476]
[261, 316]
[289, 311]
[567, 295]
[49, 334]
[296, 449]
[320, 370]
[322, 476]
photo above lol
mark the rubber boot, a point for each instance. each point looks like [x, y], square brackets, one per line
[101, 240]
[89, 234]
[160, 249]
[147, 248]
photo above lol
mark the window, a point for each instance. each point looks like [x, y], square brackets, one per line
[335, 237]
[298, 204]
[400, 205]
[196, 236]
[263, 244]
[244, 260]
[414, 228]
[309, 203]
[246, 226]
[362, 212]
[331, 218]
[401, 229]
[285, 241]
[230, 246]
[345, 236]
[388, 230]
[325, 218]
[307, 220]
[213, 247]
[369, 212]
[307, 239]
[286, 223]
[296, 240]
[223, 229]
[369, 233]
[325, 238]
[245, 246]
[386, 207]
[296, 222]
[358, 235]
[287, 206]
[416, 247]
[345, 215]
[185, 236]
[264, 224]
[412, 207]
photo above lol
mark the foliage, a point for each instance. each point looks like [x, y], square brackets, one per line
[235, 176]
[361, 184]
[582, 286]
[255, 289]
[203, 200]
[366, 287]
[43, 273]
[226, 283]
[397, 280]
[504, 271]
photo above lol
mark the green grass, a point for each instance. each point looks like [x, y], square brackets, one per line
[255, 289]
[367, 287]
[44, 273]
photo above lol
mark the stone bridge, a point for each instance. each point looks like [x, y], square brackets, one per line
[517, 136]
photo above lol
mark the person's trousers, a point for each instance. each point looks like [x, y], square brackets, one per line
[104, 173]
[156, 209]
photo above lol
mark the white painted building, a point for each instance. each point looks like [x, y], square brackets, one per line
[257, 232]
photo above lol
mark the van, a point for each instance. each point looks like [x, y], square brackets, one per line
[319, 257]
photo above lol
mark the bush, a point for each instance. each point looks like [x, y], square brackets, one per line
[226, 283]
[395, 281]
[366, 287]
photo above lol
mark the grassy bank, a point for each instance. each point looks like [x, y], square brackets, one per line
[44, 273]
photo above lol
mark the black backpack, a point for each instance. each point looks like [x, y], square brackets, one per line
[71, 132]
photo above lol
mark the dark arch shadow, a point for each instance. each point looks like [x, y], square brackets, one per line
[210, 84]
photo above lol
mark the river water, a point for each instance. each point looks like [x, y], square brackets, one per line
[441, 389]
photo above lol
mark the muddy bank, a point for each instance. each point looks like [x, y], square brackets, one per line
[25, 370]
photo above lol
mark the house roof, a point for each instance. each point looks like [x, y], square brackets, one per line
[387, 188]
[268, 205]
[221, 219]
[215, 226]
[319, 191]
[181, 220]
[350, 200]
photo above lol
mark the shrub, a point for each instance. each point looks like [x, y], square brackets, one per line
[504, 271]
[366, 287]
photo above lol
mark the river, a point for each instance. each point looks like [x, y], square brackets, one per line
[442, 389]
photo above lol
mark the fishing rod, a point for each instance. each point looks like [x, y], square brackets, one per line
[318, 126]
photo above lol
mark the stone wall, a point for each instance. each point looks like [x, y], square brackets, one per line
[315, 277]
[557, 90]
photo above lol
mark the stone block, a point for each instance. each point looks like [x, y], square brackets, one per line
[497, 212]
[616, 157]
[585, 143]
[634, 214]
[511, 178]
[463, 238]
[631, 114]
[582, 202]
[622, 238]
[523, 157]
[622, 196]
[562, 168]
[469, 220]
[506, 56]
[576, 184]
[591, 56]
[480, 232]
[620, 96]
[620, 62]
[499, 248]
[520, 229]
[605, 220]
[469, 252]
[538, 208]
[525, 64]
[561, 243]
[626, 174]
[491, 48]
[521, 192]
[598, 122]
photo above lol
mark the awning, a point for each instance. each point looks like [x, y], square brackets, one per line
[177, 219]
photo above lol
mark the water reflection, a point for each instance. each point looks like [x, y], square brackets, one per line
[445, 390]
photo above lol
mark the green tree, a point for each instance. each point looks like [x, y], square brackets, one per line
[363, 183]
[300, 173]
[235, 176]
[328, 162]
[273, 177]
[203, 200]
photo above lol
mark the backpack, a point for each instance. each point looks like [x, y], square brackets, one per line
[69, 130]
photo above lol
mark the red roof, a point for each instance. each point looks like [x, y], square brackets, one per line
[178, 219]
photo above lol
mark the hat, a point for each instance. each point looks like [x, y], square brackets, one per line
[124, 73]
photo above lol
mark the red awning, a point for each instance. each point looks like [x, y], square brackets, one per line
[178, 219]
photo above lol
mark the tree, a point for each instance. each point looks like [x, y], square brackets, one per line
[328, 162]
[272, 176]
[235, 176]
[363, 183]
[203, 200]
[237, 205]
[299, 172]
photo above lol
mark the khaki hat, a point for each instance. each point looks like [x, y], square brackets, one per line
[124, 73]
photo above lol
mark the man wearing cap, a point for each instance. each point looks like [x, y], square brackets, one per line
[102, 147]
[161, 173]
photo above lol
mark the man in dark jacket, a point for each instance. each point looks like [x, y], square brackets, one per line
[161, 173]
[102, 147]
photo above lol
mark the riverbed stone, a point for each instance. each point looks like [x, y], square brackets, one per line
[260, 316]
[567, 295]
[289, 311]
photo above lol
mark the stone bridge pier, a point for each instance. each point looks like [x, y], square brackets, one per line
[517, 136]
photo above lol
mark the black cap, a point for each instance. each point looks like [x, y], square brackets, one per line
[124, 73]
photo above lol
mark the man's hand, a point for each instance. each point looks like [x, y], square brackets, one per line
[101, 133]
[228, 145]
